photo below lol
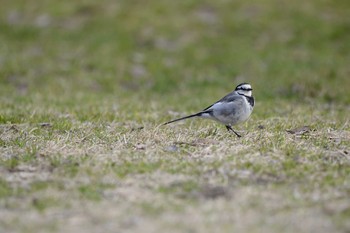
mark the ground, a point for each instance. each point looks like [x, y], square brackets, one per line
[86, 85]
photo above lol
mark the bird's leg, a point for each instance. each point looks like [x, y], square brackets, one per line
[228, 127]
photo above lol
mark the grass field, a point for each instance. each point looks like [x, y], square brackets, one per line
[85, 85]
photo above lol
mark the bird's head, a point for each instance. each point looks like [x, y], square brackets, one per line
[244, 89]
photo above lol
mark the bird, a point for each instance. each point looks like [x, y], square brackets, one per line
[234, 108]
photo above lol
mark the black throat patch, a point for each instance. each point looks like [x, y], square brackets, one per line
[250, 99]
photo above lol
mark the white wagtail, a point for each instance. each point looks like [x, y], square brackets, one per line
[232, 109]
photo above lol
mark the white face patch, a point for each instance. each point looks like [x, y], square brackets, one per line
[244, 89]
[246, 93]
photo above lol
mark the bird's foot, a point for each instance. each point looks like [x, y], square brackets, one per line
[229, 128]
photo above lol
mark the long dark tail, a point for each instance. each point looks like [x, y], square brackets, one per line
[183, 118]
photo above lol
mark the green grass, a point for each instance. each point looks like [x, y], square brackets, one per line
[85, 85]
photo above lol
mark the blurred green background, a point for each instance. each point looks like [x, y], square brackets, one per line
[84, 85]
[155, 56]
